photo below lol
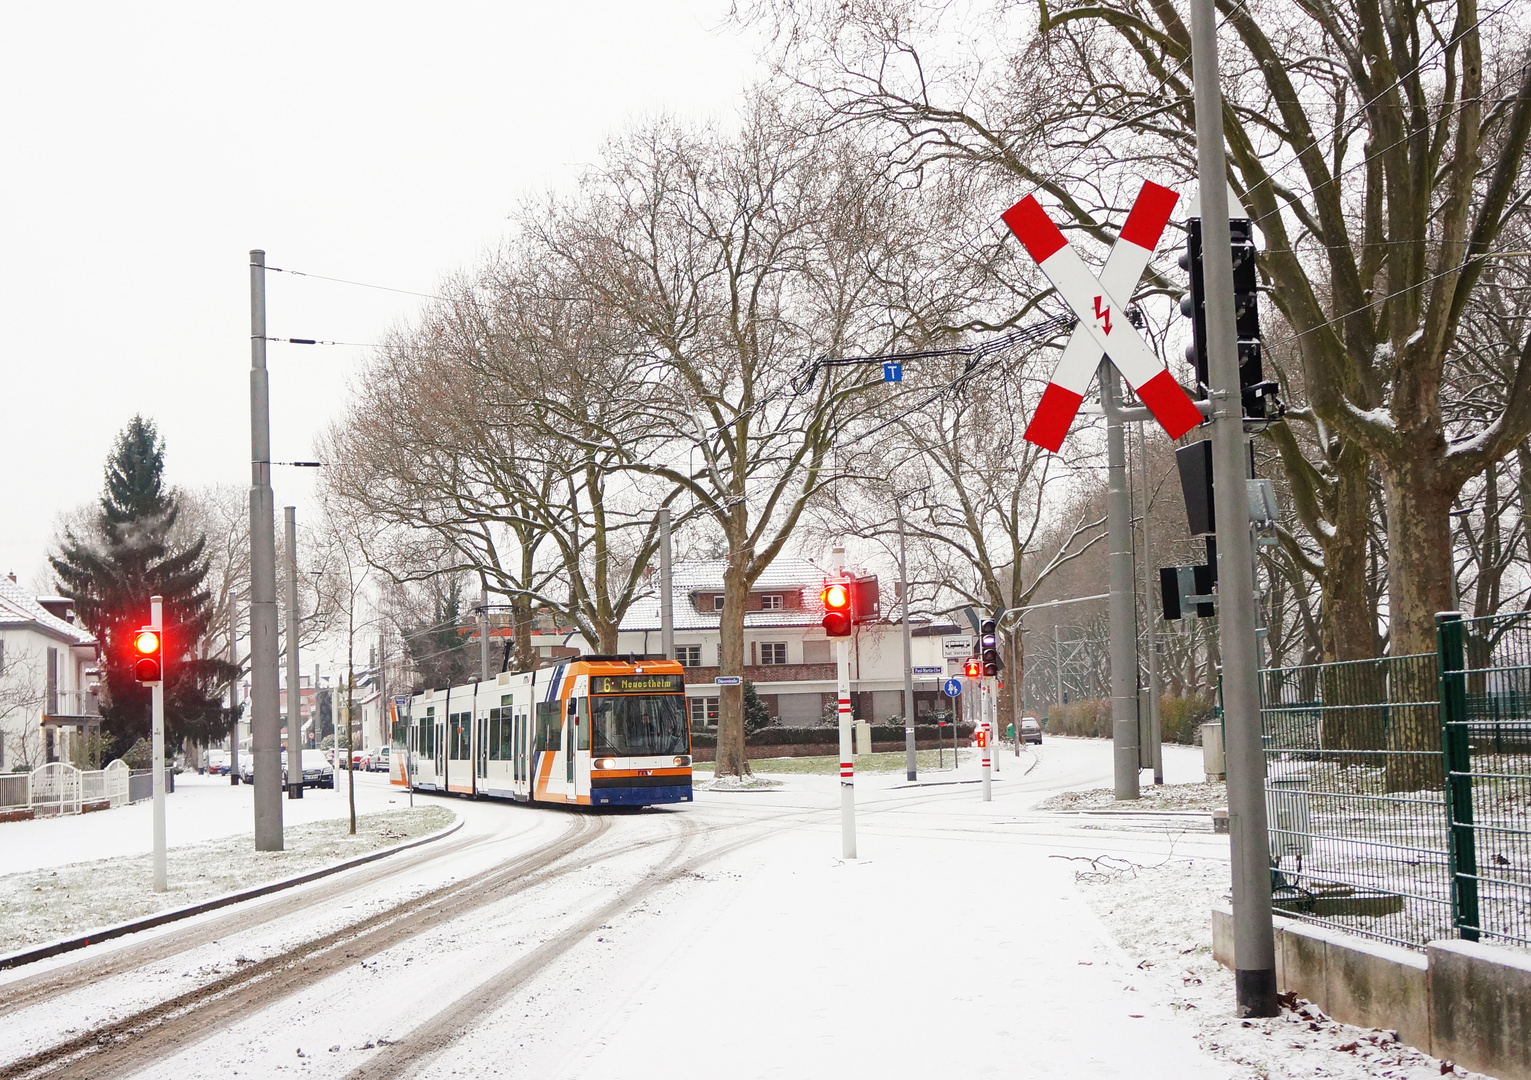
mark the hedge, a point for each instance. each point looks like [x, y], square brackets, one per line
[807, 736]
[1180, 718]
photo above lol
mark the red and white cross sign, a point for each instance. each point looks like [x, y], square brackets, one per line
[1103, 328]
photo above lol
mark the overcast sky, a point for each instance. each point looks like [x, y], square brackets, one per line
[148, 147]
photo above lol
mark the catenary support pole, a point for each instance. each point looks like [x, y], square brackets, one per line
[1057, 663]
[484, 674]
[294, 674]
[233, 694]
[1124, 650]
[1150, 622]
[1254, 951]
[157, 739]
[666, 596]
[265, 719]
[910, 770]
[843, 712]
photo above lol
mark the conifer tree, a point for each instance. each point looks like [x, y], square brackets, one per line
[110, 573]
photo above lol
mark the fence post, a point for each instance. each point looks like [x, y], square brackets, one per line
[1462, 848]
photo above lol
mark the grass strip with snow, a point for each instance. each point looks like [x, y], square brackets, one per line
[926, 760]
[44, 905]
[1153, 797]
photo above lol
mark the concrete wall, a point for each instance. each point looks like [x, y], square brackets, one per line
[1460, 1000]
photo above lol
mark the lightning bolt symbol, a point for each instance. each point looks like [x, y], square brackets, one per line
[1103, 314]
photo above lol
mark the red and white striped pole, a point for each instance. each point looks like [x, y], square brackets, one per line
[986, 733]
[847, 756]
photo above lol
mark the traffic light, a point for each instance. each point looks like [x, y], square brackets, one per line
[1259, 395]
[837, 609]
[972, 668]
[988, 643]
[148, 663]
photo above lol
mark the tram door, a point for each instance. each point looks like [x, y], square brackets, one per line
[441, 750]
[482, 758]
[570, 741]
[520, 737]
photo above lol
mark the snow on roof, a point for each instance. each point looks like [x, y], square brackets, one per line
[19, 608]
[783, 575]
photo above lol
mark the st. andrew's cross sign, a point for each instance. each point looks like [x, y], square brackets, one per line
[1099, 305]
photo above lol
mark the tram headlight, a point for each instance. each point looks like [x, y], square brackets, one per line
[682, 760]
[606, 763]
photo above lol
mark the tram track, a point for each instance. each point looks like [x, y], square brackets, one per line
[149, 1034]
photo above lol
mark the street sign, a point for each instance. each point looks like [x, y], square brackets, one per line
[952, 687]
[955, 648]
[892, 371]
[1100, 330]
[728, 680]
[929, 671]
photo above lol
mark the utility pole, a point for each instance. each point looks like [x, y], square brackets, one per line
[1150, 622]
[233, 693]
[1124, 646]
[157, 741]
[1057, 663]
[294, 676]
[986, 703]
[903, 590]
[483, 634]
[265, 723]
[1254, 950]
[666, 596]
[847, 758]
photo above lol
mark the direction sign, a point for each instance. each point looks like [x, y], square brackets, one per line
[952, 687]
[728, 680]
[1102, 330]
[892, 371]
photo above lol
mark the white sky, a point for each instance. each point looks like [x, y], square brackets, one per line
[148, 147]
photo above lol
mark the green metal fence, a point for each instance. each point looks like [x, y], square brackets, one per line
[1398, 790]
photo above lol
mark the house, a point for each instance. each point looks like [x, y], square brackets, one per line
[787, 654]
[48, 707]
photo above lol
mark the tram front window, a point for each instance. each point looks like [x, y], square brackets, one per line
[640, 725]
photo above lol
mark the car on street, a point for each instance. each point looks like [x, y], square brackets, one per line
[247, 767]
[361, 760]
[217, 762]
[1031, 730]
[317, 771]
[379, 759]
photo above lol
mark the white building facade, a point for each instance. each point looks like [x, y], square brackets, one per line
[47, 680]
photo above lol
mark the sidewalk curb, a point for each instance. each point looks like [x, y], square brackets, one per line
[42, 952]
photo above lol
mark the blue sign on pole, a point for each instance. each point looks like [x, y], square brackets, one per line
[952, 687]
[892, 371]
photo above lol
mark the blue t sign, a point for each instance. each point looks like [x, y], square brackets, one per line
[892, 371]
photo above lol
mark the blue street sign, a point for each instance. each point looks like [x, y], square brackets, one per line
[892, 371]
[952, 688]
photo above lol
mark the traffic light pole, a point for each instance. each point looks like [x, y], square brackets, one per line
[1254, 952]
[157, 743]
[1151, 624]
[265, 724]
[233, 695]
[847, 758]
[986, 703]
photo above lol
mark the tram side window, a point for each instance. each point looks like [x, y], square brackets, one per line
[549, 726]
[500, 746]
[428, 737]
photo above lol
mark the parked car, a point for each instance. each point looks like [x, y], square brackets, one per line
[247, 767]
[380, 758]
[361, 760]
[217, 763]
[317, 772]
[1031, 730]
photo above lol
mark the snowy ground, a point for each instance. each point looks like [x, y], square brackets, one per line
[726, 937]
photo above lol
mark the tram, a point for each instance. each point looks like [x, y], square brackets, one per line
[591, 731]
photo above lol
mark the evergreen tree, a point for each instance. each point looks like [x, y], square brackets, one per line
[756, 714]
[110, 574]
[439, 652]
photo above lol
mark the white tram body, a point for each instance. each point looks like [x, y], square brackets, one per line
[592, 731]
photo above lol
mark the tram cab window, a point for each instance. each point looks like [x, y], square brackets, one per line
[638, 725]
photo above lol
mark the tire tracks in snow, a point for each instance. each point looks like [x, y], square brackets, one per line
[148, 1035]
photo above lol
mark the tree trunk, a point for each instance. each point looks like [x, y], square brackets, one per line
[731, 760]
[1419, 585]
[1348, 624]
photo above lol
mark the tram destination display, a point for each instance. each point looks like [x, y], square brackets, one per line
[636, 684]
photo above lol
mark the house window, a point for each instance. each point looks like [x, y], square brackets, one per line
[773, 652]
[704, 712]
[771, 602]
[717, 602]
[689, 655]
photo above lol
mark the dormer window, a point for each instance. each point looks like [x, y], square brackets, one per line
[771, 602]
[717, 602]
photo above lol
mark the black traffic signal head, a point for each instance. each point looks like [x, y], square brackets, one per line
[988, 644]
[837, 609]
[148, 661]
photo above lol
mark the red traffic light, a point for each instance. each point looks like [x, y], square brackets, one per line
[973, 669]
[147, 643]
[837, 609]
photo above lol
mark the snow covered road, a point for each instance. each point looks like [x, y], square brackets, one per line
[720, 937]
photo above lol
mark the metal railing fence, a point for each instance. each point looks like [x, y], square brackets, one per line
[1398, 790]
